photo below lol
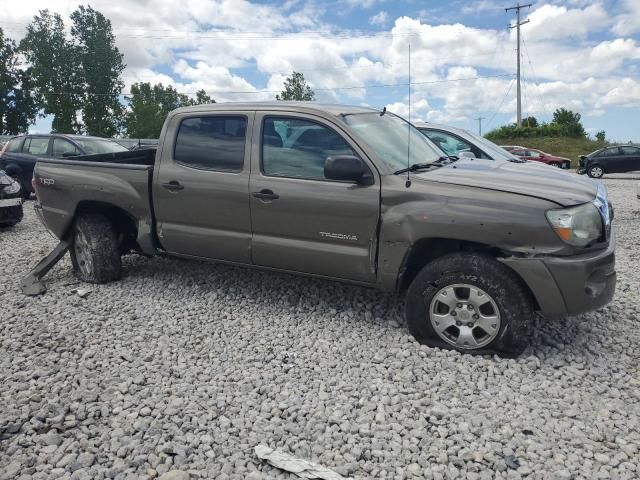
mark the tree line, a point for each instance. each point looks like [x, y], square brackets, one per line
[77, 80]
[565, 123]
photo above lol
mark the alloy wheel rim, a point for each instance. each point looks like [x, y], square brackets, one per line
[596, 172]
[83, 258]
[464, 316]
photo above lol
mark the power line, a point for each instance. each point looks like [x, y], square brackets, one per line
[517, 26]
[537, 90]
[489, 123]
[257, 35]
[353, 87]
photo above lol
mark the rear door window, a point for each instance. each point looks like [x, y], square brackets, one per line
[14, 144]
[37, 146]
[212, 143]
[631, 151]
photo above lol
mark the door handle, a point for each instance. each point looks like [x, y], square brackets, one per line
[266, 194]
[173, 185]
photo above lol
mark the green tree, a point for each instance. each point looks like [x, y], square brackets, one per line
[530, 122]
[296, 88]
[101, 67]
[202, 98]
[601, 136]
[569, 122]
[149, 105]
[18, 103]
[55, 71]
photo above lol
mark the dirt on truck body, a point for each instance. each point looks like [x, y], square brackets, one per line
[477, 246]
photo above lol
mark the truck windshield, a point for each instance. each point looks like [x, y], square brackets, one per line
[389, 135]
[92, 146]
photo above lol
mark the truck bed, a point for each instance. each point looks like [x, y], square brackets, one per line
[144, 156]
[121, 180]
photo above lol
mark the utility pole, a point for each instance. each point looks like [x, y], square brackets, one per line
[517, 27]
[479, 119]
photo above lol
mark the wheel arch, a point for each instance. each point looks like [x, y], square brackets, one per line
[426, 250]
[124, 224]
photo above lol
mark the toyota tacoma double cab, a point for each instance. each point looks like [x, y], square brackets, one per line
[351, 194]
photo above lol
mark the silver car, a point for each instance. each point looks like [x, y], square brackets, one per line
[462, 143]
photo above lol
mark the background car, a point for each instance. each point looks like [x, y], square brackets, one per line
[462, 143]
[10, 201]
[540, 156]
[509, 148]
[618, 159]
[19, 155]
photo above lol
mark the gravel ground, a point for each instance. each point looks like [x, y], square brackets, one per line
[187, 366]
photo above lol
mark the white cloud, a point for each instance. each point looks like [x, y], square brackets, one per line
[628, 21]
[381, 18]
[197, 44]
[363, 3]
[552, 21]
[481, 6]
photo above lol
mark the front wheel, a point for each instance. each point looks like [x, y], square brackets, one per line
[95, 253]
[596, 171]
[470, 303]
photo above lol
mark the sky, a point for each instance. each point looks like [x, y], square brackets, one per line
[578, 54]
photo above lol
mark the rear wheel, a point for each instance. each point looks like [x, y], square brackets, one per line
[470, 303]
[595, 171]
[555, 164]
[95, 253]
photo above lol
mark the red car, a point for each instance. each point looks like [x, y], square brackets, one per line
[540, 156]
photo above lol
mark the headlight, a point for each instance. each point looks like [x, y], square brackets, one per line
[578, 226]
[12, 188]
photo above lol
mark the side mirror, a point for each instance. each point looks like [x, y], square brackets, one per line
[347, 168]
[68, 154]
[466, 154]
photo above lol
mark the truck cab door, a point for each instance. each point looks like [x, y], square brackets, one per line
[302, 221]
[201, 185]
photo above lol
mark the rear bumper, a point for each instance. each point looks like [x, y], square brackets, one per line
[11, 214]
[570, 285]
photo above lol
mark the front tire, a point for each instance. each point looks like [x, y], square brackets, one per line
[470, 303]
[95, 253]
[595, 171]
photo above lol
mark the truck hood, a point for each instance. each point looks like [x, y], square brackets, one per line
[533, 179]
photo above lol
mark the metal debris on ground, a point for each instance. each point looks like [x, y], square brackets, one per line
[302, 468]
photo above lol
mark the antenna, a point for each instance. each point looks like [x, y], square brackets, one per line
[408, 182]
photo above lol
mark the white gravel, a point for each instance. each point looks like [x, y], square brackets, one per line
[188, 366]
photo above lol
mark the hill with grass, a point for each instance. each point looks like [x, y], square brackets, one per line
[564, 136]
[569, 147]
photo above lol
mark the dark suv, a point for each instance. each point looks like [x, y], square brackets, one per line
[18, 158]
[618, 159]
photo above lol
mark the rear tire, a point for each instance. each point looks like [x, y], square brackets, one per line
[595, 171]
[505, 312]
[95, 253]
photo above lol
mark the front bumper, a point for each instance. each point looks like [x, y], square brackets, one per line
[570, 285]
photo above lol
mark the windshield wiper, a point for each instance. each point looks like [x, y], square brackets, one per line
[440, 162]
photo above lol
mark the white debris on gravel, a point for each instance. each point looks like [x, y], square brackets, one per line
[181, 369]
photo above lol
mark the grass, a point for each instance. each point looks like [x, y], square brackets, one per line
[567, 147]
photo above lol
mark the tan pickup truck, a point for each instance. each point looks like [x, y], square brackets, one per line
[350, 194]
